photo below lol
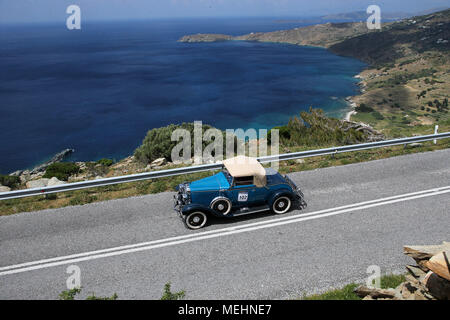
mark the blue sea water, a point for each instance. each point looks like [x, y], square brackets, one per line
[100, 89]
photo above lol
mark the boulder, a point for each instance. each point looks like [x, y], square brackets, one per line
[437, 286]
[38, 183]
[425, 252]
[421, 254]
[55, 181]
[363, 291]
[16, 173]
[4, 189]
[158, 162]
[440, 264]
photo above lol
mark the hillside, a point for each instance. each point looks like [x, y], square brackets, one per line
[321, 35]
[399, 39]
[407, 84]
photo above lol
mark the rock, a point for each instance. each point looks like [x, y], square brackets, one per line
[300, 161]
[16, 173]
[440, 264]
[421, 254]
[158, 162]
[407, 290]
[98, 177]
[415, 271]
[81, 165]
[4, 189]
[415, 145]
[25, 178]
[38, 183]
[363, 291]
[437, 286]
[425, 252]
[55, 181]
[418, 295]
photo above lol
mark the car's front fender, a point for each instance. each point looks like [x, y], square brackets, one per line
[280, 193]
[189, 208]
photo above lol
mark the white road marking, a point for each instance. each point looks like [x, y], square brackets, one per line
[91, 255]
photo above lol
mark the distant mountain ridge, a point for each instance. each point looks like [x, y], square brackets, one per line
[360, 16]
[393, 41]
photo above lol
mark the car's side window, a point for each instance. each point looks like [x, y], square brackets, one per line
[243, 181]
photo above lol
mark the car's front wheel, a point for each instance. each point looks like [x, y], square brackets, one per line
[281, 205]
[195, 220]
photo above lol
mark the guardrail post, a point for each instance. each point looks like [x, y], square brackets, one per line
[436, 128]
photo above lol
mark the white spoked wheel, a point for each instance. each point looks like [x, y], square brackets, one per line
[281, 205]
[195, 220]
[222, 206]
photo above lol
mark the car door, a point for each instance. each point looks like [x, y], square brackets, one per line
[245, 193]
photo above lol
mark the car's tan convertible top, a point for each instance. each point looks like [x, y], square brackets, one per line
[242, 166]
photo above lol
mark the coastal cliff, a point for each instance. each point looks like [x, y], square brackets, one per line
[322, 35]
[376, 47]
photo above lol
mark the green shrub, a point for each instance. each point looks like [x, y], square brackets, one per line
[69, 294]
[9, 181]
[94, 297]
[105, 162]
[61, 170]
[158, 143]
[377, 115]
[169, 295]
[364, 108]
[314, 129]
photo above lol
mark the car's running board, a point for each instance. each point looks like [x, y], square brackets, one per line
[244, 211]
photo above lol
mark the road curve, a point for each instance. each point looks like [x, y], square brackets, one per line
[358, 215]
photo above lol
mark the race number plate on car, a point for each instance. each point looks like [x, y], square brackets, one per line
[243, 196]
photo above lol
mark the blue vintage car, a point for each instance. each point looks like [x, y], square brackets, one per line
[244, 186]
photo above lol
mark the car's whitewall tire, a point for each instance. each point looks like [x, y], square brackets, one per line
[195, 220]
[281, 205]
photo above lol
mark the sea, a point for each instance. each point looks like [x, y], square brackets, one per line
[98, 90]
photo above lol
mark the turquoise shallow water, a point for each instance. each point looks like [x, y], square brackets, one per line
[100, 89]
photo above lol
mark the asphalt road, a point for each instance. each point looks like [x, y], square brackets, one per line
[358, 215]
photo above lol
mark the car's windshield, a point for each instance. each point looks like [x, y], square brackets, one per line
[228, 176]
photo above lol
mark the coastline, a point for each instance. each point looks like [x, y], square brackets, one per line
[351, 103]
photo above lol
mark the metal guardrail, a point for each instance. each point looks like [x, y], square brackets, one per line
[208, 167]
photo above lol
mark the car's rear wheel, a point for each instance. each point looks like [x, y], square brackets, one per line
[222, 206]
[281, 205]
[195, 220]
